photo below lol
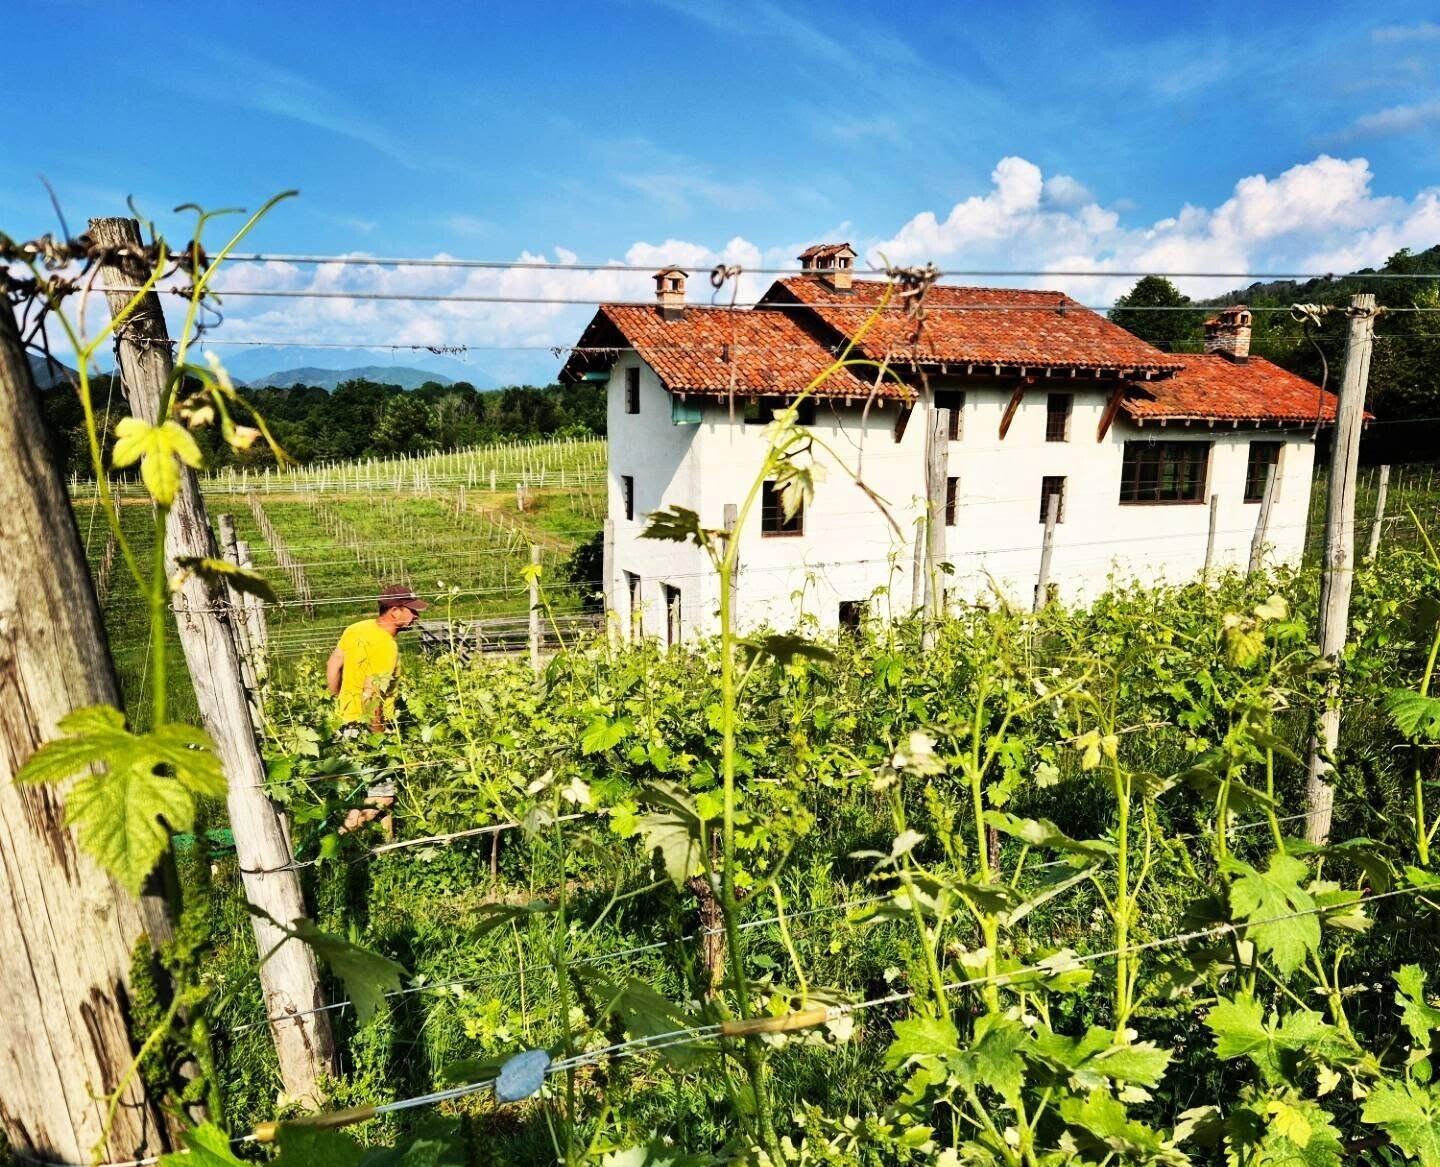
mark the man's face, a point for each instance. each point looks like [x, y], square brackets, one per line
[404, 617]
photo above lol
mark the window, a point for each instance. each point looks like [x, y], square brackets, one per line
[952, 500]
[758, 412]
[1057, 417]
[952, 401]
[637, 609]
[627, 496]
[956, 423]
[632, 390]
[1052, 484]
[805, 412]
[1164, 472]
[772, 514]
[851, 613]
[672, 614]
[1264, 461]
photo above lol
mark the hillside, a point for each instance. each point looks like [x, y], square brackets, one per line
[402, 375]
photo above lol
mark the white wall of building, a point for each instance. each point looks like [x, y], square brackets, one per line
[849, 551]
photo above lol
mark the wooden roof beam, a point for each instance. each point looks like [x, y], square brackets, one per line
[1015, 399]
[1112, 408]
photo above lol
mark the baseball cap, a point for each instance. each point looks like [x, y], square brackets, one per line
[399, 596]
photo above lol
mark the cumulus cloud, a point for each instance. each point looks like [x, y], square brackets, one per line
[1318, 215]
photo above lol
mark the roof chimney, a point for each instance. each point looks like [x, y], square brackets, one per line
[833, 263]
[670, 292]
[1228, 333]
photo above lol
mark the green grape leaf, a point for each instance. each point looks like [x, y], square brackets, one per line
[1418, 1016]
[367, 975]
[921, 1037]
[159, 449]
[217, 571]
[1414, 715]
[1268, 902]
[1102, 1119]
[1298, 1132]
[304, 1145]
[1410, 1115]
[1242, 1030]
[602, 733]
[1044, 833]
[784, 649]
[206, 1146]
[644, 1013]
[676, 525]
[671, 826]
[991, 1058]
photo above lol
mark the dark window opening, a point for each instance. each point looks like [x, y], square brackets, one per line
[762, 410]
[627, 496]
[1164, 472]
[632, 390]
[637, 609]
[956, 424]
[1052, 486]
[952, 500]
[851, 614]
[772, 514]
[672, 614]
[1264, 460]
[758, 412]
[1057, 417]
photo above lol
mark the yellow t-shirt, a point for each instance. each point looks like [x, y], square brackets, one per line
[371, 656]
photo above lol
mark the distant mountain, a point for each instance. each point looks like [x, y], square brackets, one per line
[406, 378]
[50, 374]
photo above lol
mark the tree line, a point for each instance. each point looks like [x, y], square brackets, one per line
[361, 419]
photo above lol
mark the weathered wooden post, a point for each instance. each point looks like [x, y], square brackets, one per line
[937, 462]
[607, 581]
[255, 617]
[238, 622]
[1210, 536]
[289, 977]
[1337, 572]
[535, 609]
[70, 931]
[1262, 523]
[1374, 547]
[1047, 549]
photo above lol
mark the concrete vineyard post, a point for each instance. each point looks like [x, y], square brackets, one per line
[1337, 571]
[289, 978]
[69, 929]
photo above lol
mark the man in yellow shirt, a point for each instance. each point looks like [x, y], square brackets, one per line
[361, 675]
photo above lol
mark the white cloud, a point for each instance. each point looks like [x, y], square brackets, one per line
[1396, 119]
[1426, 30]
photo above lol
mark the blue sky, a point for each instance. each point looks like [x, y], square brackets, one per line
[1053, 136]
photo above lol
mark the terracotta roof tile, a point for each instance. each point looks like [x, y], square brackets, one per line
[1215, 388]
[1005, 326]
[709, 350]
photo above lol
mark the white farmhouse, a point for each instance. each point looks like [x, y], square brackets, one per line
[1024, 395]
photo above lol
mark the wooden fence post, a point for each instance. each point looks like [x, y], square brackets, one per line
[1337, 572]
[937, 460]
[255, 618]
[289, 978]
[1047, 549]
[239, 623]
[1374, 548]
[1262, 523]
[535, 610]
[1210, 537]
[70, 931]
[607, 581]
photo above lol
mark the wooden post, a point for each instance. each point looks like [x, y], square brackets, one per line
[492, 480]
[1374, 548]
[1047, 547]
[1262, 524]
[255, 618]
[289, 978]
[1210, 537]
[607, 580]
[1337, 571]
[937, 461]
[70, 931]
[535, 610]
[239, 623]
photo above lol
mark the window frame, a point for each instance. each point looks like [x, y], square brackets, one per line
[1278, 449]
[1046, 490]
[627, 496]
[773, 523]
[1058, 432]
[952, 500]
[1163, 446]
[632, 390]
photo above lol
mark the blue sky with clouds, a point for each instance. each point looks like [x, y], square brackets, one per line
[1128, 135]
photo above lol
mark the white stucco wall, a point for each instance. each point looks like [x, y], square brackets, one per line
[849, 551]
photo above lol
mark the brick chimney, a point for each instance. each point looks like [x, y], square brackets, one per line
[833, 263]
[670, 292]
[1228, 333]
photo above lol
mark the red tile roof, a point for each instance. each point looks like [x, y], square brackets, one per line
[709, 351]
[983, 326]
[1215, 388]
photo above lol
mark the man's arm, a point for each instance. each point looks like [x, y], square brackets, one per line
[333, 668]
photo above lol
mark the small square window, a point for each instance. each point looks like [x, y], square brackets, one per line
[1052, 485]
[772, 514]
[1057, 417]
[627, 496]
[852, 614]
[632, 390]
[758, 412]
[952, 500]
[956, 423]
[1264, 460]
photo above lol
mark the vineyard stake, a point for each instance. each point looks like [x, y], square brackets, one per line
[937, 459]
[289, 977]
[1210, 537]
[1262, 524]
[1337, 572]
[64, 1031]
[1047, 549]
[535, 609]
[1374, 547]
